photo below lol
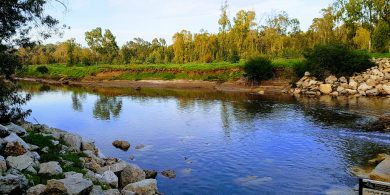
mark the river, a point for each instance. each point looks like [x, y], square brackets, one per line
[223, 143]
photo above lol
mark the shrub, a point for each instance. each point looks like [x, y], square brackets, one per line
[234, 57]
[336, 59]
[259, 68]
[42, 69]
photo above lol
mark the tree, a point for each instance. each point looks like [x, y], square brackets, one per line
[362, 38]
[18, 18]
[70, 51]
[94, 40]
[109, 46]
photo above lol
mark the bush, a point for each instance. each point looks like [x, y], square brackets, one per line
[336, 59]
[259, 68]
[234, 57]
[42, 69]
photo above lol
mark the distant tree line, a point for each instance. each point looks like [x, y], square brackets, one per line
[360, 24]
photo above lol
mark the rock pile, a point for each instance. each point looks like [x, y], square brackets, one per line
[99, 175]
[381, 172]
[375, 81]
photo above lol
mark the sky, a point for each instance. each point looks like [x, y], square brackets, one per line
[150, 19]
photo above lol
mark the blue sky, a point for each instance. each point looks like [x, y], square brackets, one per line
[147, 19]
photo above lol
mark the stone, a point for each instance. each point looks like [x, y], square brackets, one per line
[144, 187]
[307, 74]
[386, 89]
[45, 149]
[14, 149]
[69, 185]
[330, 79]
[112, 192]
[364, 87]
[55, 142]
[13, 184]
[109, 178]
[169, 173]
[150, 174]
[50, 168]
[372, 92]
[73, 141]
[138, 147]
[3, 165]
[12, 137]
[20, 162]
[343, 80]
[382, 171]
[116, 167]
[36, 190]
[371, 82]
[326, 88]
[351, 91]
[335, 93]
[124, 145]
[353, 84]
[18, 130]
[382, 125]
[130, 174]
[96, 190]
[88, 144]
[4, 132]
[126, 192]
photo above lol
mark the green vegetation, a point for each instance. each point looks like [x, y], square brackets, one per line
[259, 68]
[336, 59]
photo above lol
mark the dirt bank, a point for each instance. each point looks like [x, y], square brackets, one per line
[272, 86]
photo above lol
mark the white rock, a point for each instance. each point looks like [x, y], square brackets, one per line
[50, 168]
[13, 184]
[36, 190]
[144, 187]
[364, 87]
[3, 165]
[15, 138]
[109, 177]
[69, 185]
[20, 162]
[74, 141]
[16, 129]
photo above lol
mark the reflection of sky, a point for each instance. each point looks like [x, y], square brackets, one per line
[221, 141]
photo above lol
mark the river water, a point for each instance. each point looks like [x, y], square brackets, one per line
[223, 143]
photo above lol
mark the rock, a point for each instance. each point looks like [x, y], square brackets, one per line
[382, 125]
[386, 88]
[364, 87]
[109, 178]
[335, 93]
[144, 187]
[372, 92]
[96, 190]
[382, 171]
[343, 80]
[18, 130]
[138, 147]
[36, 190]
[259, 92]
[45, 149]
[124, 145]
[55, 142]
[4, 132]
[3, 165]
[130, 174]
[126, 192]
[116, 167]
[307, 74]
[371, 82]
[330, 79]
[31, 169]
[69, 185]
[73, 141]
[50, 168]
[15, 138]
[13, 184]
[150, 174]
[20, 162]
[88, 144]
[112, 192]
[14, 149]
[169, 173]
[351, 91]
[326, 88]
[33, 147]
[353, 84]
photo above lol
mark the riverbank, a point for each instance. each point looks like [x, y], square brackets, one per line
[271, 86]
[36, 159]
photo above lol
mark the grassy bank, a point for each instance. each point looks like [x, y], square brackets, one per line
[222, 71]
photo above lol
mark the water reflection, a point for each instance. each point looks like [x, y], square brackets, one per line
[77, 100]
[106, 107]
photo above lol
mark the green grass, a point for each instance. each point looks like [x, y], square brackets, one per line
[221, 71]
[379, 55]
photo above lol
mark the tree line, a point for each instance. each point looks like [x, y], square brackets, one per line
[360, 24]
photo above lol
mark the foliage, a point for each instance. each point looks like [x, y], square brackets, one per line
[42, 69]
[381, 37]
[336, 59]
[259, 68]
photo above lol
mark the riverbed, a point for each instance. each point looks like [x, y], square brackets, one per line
[223, 143]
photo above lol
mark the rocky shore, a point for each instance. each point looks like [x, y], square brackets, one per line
[374, 82]
[36, 159]
[379, 172]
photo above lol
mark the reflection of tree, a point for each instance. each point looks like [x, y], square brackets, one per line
[77, 99]
[105, 107]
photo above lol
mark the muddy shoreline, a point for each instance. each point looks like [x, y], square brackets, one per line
[275, 86]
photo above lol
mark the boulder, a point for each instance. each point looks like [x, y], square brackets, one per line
[351, 91]
[372, 92]
[116, 167]
[20, 162]
[73, 141]
[14, 149]
[69, 185]
[12, 137]
[126, 192]
[109, 178]
[36, 190]
[371, 82]
[96, 190]
[124, 145]
[50, 168]
[169, 173]
[13, 184]
[4, 132]
[386, 88]
[364, 87]
[353, 84]
[150, 174]
[18, 130]
[382, 171]
[326, 88]
[307, 74]
[382, 125]
[330, 79]
[343, 80]
[112, 192]
[88, 144]
[144, 187]
[130, 174]
[3, 165]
